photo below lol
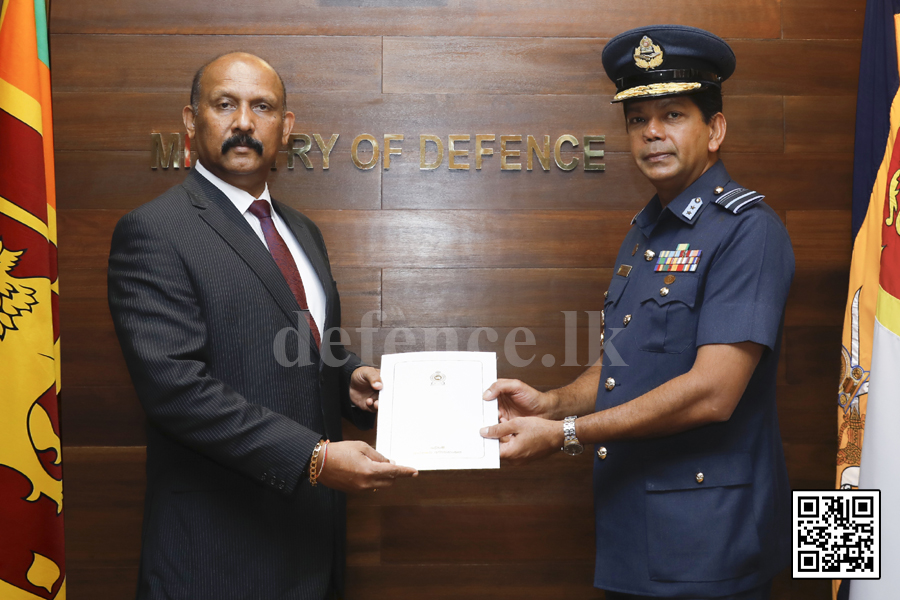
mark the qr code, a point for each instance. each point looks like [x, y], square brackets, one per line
[837, 534]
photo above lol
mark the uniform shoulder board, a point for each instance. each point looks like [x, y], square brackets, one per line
[738, 199]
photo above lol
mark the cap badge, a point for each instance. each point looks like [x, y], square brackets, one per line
[648, 55]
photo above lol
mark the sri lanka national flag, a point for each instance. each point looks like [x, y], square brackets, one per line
[869, 392]
[32, 561]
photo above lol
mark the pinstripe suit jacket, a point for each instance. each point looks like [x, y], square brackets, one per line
[202, 314]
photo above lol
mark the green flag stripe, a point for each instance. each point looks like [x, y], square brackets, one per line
[40, 22]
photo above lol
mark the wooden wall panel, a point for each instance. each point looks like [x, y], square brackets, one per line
[822, 19]
[795, 68]
[506, 534]
[565, 483]
[806, 406]
[411, 238]
[494, 65]
[120, 180]
[572, 66]
[104, 503]
[820, 238]
[817, 124]
[100, 414]
[754, 122]
[806, 364]
[619, 187]
[753, 18]
[807, 182]
[123, 180]
[564, 579]
[473, 238]
[167, 63]
[448, 256]
[492, 297]
[818, 296]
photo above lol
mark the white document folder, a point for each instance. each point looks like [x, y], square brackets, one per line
[431, 409]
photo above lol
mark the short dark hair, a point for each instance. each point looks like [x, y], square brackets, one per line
[195, 84]
[709, 101]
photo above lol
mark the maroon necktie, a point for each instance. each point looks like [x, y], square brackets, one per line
[285, 262]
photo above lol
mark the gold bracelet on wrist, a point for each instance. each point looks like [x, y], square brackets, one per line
[314, 468]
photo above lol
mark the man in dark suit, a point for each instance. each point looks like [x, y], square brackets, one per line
[227, 314]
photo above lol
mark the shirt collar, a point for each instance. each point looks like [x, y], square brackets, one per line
[704, 189]
[647, 218]
[241, 199]
[686, 205]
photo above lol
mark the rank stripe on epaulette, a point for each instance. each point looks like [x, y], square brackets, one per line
[735, 200]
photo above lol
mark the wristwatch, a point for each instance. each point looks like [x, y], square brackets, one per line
[571, 445]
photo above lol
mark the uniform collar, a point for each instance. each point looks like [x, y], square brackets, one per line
[241, 199]
[646, 219]
[686, 205]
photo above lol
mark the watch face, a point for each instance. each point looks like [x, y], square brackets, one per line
[573, 448]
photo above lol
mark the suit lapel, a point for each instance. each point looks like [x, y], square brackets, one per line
[331, 411]
[220, 214]
[315, 255]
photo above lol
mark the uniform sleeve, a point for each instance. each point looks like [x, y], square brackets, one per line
[748, 282]
[164, 340]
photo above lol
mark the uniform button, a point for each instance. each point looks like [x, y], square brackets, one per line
[601, 452]
[649, 255]
[699, 477]
[281, 486]
[606, 294]
[610, 383]
[719, 189]
[264, 477]
[626, 320]
[663, 291]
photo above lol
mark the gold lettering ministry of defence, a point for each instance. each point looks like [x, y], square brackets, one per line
[366, 150]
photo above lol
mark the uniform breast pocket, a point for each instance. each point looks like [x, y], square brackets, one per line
[667, 317]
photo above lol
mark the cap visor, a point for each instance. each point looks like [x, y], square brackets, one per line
[657, 90]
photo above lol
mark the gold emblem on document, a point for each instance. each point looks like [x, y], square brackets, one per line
[648, 55]
[438, 378]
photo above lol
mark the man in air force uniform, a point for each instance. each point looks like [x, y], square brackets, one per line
[691, 491]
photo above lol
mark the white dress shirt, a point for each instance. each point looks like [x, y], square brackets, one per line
[315, 293]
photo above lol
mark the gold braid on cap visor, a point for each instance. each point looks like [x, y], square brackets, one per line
[656, 89]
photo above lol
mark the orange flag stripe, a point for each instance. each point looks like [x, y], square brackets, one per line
[18, 47]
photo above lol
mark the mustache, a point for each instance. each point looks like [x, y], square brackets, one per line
[657, 150]
[657, 147]
[242, 139]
